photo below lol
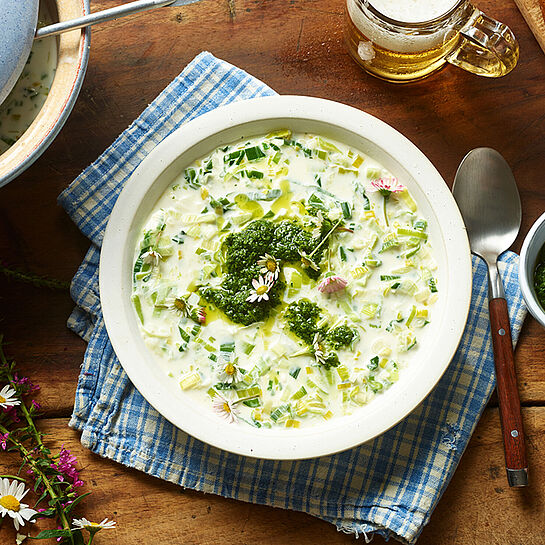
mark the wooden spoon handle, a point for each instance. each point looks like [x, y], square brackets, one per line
[510, 413]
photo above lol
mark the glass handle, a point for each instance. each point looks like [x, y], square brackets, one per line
[487, 47]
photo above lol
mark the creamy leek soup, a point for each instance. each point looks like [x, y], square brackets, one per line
[26, 99]
[283, 280]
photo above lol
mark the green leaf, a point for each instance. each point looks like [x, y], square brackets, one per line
[48, 534]
[37, 483]
[41, 498]
[75, 502]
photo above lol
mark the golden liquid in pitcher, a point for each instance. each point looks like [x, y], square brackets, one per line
[396, 66]
[395, 56]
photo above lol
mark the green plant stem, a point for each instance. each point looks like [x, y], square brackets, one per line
[37, 435]
[326, 237]
[28, 458]
[384, 208]
[15, 477]
[34, 279]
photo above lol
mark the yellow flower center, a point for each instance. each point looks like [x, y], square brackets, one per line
[261, 290]
[226, 408]
[230, 369]
[179, 304]
[2, 399]
[271, 265]
[11, 503]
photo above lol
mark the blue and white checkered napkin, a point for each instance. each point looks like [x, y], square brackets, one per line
[389, 486]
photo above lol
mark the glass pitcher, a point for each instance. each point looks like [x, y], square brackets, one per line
[400, 51]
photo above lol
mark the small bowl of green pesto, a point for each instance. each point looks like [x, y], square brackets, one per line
[532, 270]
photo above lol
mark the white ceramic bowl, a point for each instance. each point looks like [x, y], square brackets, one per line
[533, 243]
[252, 118]
[73, 56]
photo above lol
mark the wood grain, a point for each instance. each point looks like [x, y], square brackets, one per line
[534, 13]
[296, 47]
[478, 507]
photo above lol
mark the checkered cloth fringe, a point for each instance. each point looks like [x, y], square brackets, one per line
[388, 486]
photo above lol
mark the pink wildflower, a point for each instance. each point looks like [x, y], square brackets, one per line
[36, 405]
[25, 382]
[386, 187]
[66, 465]
[201, 315]
[332, 284]
[11, 413]
[3, 441]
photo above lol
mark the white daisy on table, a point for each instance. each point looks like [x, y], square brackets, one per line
[228, 372]
[93, 527]
[152, 256]
[261, 288]
[8, 397]
[270, 266]
[11, 494]
[318, 348]
[225, 408]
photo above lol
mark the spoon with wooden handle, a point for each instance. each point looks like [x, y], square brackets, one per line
[488, 198]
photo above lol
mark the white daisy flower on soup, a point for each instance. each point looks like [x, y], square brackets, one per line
[8, 397]
[225, 408]
[318, 223]
[228, 372]
[11, 494]
[332, 284]
[306, 262]
[93, 527]
[270, 266]
[386, 186]
[178, 305]
[261, 288]
[318, 348]
[152, 256]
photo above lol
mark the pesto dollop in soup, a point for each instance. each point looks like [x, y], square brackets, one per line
[539, 278]
[284, 279]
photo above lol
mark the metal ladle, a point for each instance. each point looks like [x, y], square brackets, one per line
[18, 29]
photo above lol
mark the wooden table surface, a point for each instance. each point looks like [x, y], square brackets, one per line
[296, 47]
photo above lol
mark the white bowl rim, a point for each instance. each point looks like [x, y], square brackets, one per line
[526, 286]
[243, 440]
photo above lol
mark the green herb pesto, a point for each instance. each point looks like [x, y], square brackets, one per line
[286, 241]
[341, 336]
[539, 279]
[302, 317]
